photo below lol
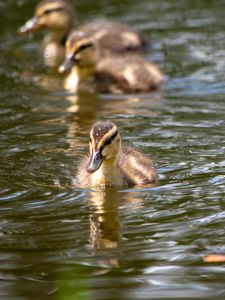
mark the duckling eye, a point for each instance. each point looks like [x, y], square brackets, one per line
[108, 141]
[83, 47]
[49, 11]
[86, 46]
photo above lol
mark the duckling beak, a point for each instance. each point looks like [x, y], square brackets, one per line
[30, 26]
[95, 162]
[67, 64]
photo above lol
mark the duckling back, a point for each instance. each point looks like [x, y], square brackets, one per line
[137, 168]
[114, 37]
[127, 74]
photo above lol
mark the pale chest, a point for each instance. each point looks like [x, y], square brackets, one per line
[53, 54]
[106, 177]
[71, 81]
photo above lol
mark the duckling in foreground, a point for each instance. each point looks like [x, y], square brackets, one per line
[115, 74]
[58, 17]
[112, 164]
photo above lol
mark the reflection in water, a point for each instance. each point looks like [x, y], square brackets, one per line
[105, 226]
[106, 223]
[44, 253]
[87, 108]
[84, 109]
[31, 270]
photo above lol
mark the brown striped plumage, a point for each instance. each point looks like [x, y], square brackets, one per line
[57, 16]
[111, 164]
[115, 74]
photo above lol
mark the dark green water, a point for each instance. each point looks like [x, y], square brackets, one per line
[58, 242]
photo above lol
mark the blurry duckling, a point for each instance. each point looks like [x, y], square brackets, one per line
[114, 73]
[110, 164]
[57, 16]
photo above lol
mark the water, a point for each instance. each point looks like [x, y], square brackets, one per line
[58, 242]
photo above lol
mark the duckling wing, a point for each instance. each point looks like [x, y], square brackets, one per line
[127, 74]
[137, 167]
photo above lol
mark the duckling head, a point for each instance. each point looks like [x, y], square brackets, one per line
[80, 51]
[105, 145]
[55, 15]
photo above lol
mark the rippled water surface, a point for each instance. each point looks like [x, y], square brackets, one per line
[58, 242]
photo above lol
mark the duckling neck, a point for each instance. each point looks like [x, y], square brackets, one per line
[77, 76]
[72, 80]
[58, 36]
[108, 174]
[109, 165]
[85, 73]
[53, 48]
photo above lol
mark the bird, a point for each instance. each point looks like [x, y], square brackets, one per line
[111, 164]
[58, 16]
[115, 73]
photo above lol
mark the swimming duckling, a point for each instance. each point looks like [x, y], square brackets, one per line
[112, 164]
[115, 74]
[58, 17]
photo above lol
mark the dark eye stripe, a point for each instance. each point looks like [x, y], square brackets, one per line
[82, 47]
[49, 11]
[110, 139]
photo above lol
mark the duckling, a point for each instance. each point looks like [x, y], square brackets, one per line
[110, 164]
[58, 17]
[114, 73]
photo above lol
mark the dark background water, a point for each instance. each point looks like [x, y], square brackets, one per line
[58, 242]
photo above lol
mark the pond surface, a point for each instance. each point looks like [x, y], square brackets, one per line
[58, 242]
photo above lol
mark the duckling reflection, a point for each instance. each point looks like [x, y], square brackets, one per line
[105, 227]
[84, 108]
[106, 224]
[111, 164]
[57, 16]
[112, 74]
